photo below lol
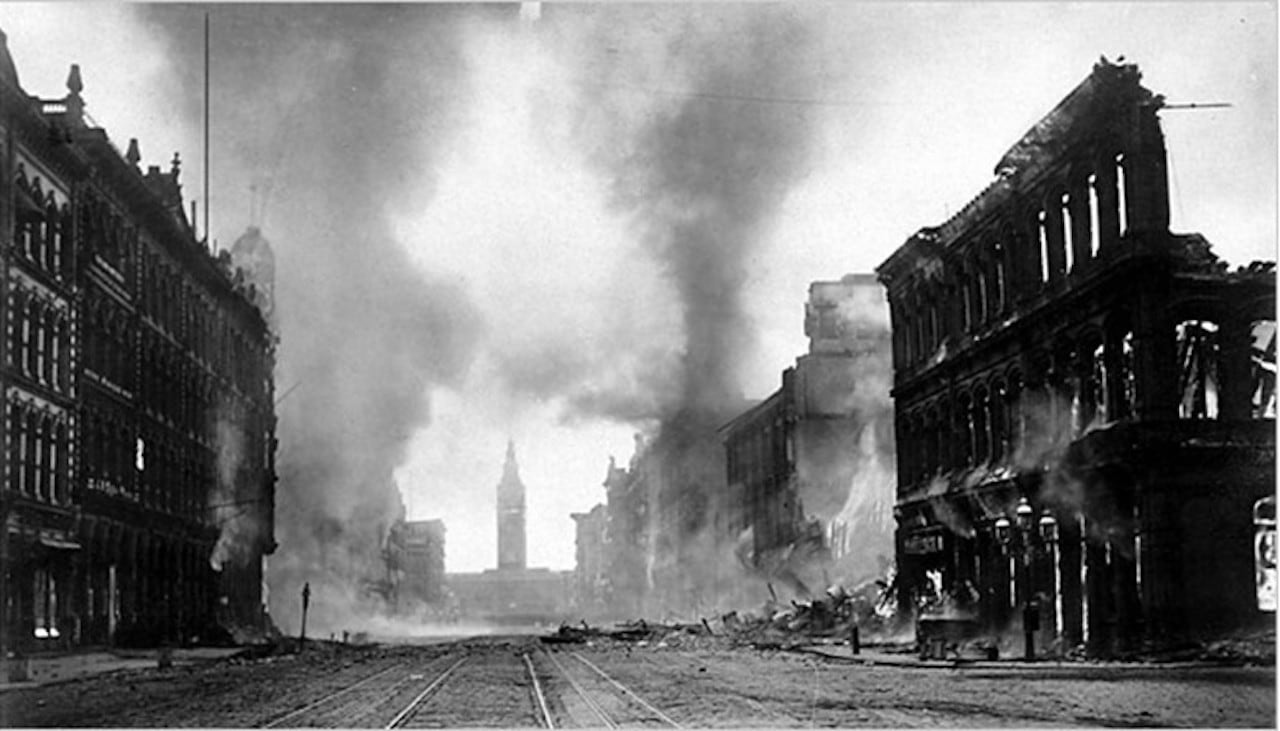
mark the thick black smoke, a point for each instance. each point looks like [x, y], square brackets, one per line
[338, 111]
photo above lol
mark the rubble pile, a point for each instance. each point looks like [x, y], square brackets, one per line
[831, 618]
[1248, 649]
[639, 634]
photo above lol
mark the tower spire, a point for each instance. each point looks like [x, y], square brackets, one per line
[511, 521]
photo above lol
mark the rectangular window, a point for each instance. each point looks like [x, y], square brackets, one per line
[46, 605]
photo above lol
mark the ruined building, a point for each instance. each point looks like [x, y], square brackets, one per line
[1084, 401]
[138, 481]
[810, 468]
[626, 536]
[589, 572]
[414, 554]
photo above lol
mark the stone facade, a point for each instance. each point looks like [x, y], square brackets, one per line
[1057, 349]
[138, 487]
[810, 468]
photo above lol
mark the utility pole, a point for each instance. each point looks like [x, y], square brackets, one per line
[207, 218]
[306, 601]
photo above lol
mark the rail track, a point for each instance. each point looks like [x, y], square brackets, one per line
[608, 702]
[488, 687]
[370, 699]
[408, 712]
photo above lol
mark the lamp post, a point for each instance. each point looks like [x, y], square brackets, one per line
[1028, 537]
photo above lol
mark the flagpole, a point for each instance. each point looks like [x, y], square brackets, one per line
[207, 239]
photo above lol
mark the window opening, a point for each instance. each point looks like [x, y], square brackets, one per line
[1198, 369]
[1095, 228]
[1044, 246]
[1122, 201]
[1262, 367]
[1068, 246]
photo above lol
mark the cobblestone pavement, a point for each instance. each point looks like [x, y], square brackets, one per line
[522, 682]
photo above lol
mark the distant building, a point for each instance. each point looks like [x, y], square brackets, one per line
[511, 527]
[589, 574]
[811, 465]
[139, 480]
[626, 537]
[512, 596]
[252, 255]
[1084, 401]
[416, 555]
[512, 593]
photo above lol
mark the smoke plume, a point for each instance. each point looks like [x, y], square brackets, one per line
[330, 114]
[671, 112]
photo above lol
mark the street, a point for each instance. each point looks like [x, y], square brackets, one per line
[490, 682]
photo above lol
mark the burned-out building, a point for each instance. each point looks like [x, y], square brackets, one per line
[414, 553]
[626, 536]
[139, 430]
[1084, 401]
[669, 545]
[589, 575]
[810, 467]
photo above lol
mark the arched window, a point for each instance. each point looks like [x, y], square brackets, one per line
[966, 312]
[51, 460]
[981, 291]
[1262, 367]
[22, 448]
[1127, 398]
[1068, 245]
[21, 329]
[35, 458]
[981, 426]
[62, 465]
[1198, 379]
[964, 430]
[30, 326]
[1094, 396]
[1122, 200]
[1095, 225]
[998, 410]
[1016, 424]
[1042, 232]
[55, 352]
[999, 257]
[53, 239]
[929, 452]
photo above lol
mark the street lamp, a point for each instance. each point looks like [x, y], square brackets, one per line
[1029, 538]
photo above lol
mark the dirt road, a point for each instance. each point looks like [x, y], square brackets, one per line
[521, 682]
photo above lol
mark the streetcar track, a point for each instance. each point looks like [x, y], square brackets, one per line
[617, 693]
[587, 700]
[277, 722]
[400, 718]
[537, 692]
[632, 694]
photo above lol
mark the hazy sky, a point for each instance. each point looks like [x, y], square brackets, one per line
[900, 113]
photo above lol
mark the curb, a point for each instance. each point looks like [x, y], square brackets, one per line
[1014, 664]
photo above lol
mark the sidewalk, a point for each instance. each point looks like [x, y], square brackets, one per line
[912, 660]
[45, 669]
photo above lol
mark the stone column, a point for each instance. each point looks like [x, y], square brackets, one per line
[1055, 243]
[1235, 341]
[1108, 202]
[1081, 225]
